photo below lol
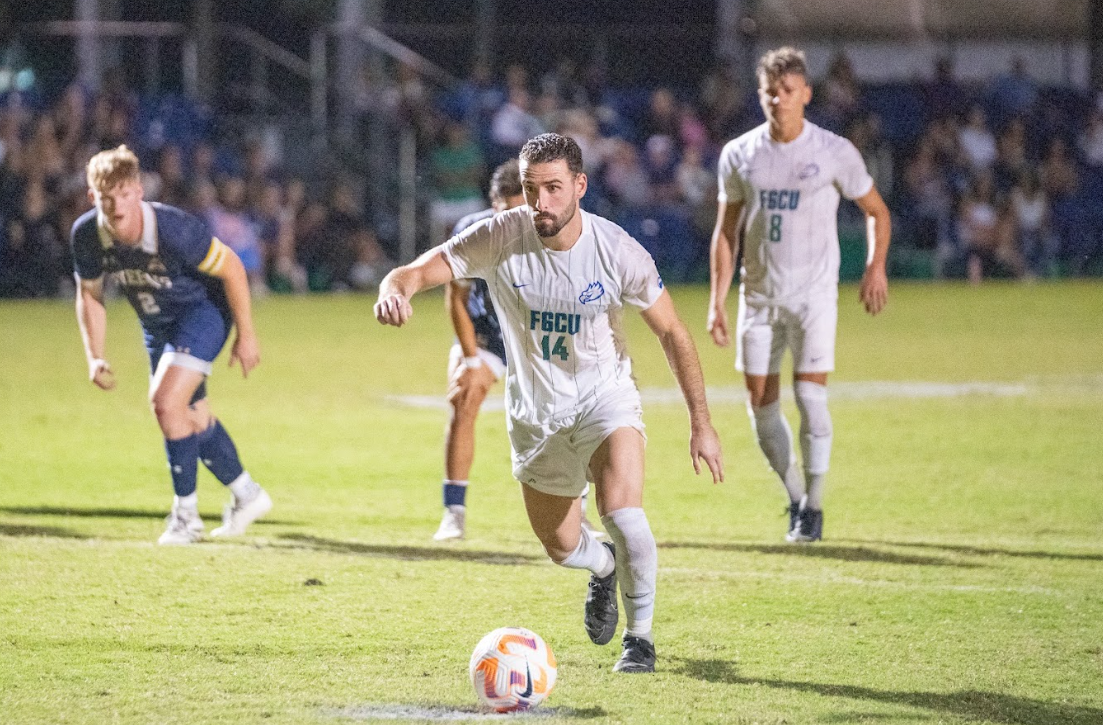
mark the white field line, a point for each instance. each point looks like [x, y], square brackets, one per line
[830, 578]
[736, 395]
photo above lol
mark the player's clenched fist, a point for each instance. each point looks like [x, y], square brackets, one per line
[99, 372]
[393, 310]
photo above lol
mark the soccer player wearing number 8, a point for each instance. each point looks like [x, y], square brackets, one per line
[188, 288]
[560, 279]
[784, 180]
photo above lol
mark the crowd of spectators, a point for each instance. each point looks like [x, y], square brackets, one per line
[992, 179]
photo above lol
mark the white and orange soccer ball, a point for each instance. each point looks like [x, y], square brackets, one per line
[512, 669]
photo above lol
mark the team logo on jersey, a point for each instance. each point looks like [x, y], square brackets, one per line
[808, 171]
[591, 293]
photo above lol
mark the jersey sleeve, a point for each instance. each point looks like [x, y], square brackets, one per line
[85, 245]
[731, 184]
[191, 240]
[471, 252]
[642, 284]
[852, 179]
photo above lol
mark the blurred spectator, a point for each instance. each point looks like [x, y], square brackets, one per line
[513, 124]
[661, 166]
[985, 233]
[457, 169]
[35, 256]
[1091, 141]
[697, 186]
[661, 118]
[865, 133]
[230, 222]
[945, 96]
[978, 143]
[624, 177]
[841, 93]
[1031, 214]
[1014, 93]
[929, 205]
[337, 247]
[170, 176]
[1011, 156]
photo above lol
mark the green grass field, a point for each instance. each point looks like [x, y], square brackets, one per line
[960, 580]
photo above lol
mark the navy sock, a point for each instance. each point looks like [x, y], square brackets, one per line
[454, 494]
[183, 456]
[219, 454]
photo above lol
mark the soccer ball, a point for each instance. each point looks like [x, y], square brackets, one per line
[512, 669]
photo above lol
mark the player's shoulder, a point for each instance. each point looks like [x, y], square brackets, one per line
[614, 238]
[828, 139]
[510, 225]
[747, 141]
[179, 226]
[85, 226]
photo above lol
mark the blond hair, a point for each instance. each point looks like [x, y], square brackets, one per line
[109, 168]
[781, 62]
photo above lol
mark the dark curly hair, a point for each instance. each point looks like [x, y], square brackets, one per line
[549, 147]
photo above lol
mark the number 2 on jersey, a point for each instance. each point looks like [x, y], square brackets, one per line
[775, 227]
[559, 348]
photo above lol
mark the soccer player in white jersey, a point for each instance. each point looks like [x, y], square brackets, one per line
[780, 185]
[560, 279]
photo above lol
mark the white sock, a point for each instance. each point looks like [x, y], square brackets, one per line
[244, 488]
[188, 504]
[775, 438]
[637, 566]
[816, 434]
[590, 555]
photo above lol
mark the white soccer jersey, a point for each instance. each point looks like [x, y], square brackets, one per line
[791, 195]
[561, 312]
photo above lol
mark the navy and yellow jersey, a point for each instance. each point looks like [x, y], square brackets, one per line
[166, 274]
[488, 332]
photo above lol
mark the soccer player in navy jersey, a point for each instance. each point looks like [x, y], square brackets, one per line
[188, 289]
[477, 359]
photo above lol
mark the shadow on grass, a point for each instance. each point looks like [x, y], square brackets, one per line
[413, 553]
[983, 550]
[824, 551]
[52, 531]
[117, 513]
[988, 706]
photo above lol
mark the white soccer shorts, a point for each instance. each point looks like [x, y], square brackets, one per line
[554, 458]
[763, 332]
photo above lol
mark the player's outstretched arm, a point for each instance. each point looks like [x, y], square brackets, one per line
[402, 283]
[722, 255]
[874, 289]
[246, 347]
[681, 353]
[92, 321]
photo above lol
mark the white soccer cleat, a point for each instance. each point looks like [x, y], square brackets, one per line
[237, 516]
[452, 525]
[182, 529]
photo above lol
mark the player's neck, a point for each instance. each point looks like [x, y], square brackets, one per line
[788, 130]
[130, 237]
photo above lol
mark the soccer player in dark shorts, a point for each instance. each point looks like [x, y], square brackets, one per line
[188, 289]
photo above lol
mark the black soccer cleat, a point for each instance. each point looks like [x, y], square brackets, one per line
[794, 519]
[809, 528]
[601, 605]
[638, 655]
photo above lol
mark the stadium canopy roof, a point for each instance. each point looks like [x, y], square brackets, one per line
[923, 19]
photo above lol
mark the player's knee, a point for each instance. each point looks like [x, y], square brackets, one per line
[465, 408]
[557, 549]
[812, 403]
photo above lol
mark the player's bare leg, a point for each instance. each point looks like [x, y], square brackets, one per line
[775, 438]
[557, 522]
[618, 470]
[465, 398]
[810, 390]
